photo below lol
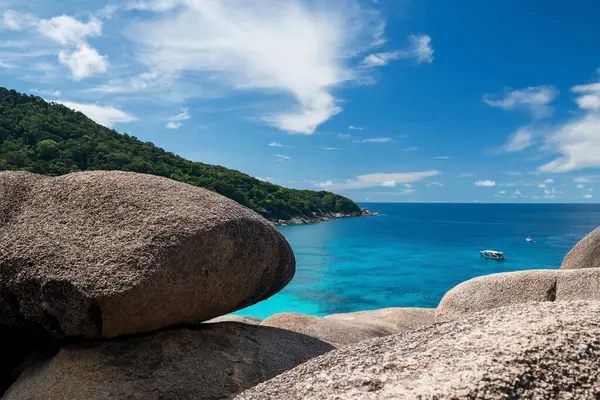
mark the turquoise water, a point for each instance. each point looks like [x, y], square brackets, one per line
[412, 254]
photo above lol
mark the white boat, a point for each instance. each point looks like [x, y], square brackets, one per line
[529, 239]
[492, 254]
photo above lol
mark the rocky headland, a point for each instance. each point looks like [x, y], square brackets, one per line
[119, 285]
[318, 217]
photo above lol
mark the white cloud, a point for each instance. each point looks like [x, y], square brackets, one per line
[409, 149]
[275, 144]
[536, 99]
[549, 181]
[435, 183]
[355, 128]
[466, 175]
[542, 186]
[588, 196]
[382, 180]
[580, 186]
[583, 179]
[5, 65]
[442, 157]
[486, 183]
[292, 48]
[501, 193]
[282, 157]
[264, 179]
[514, 173]
[420, 49]
[324, 184]
[578, 140]
[66, 30]
[331, 148]
[517, 193]
[176, 121]
[374, 140]
[520, 140]
[104, 115]
[84, 61]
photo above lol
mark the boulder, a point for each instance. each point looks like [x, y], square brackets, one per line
[585, 254]
[398, 318]
[236, 318]
[206, 361]
[344, 329]
[578, 284]
[529, 351]
[497, 290]
[102, 254]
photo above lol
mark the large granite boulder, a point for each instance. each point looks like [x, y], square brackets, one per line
[529, 351]
[585, 254]
[498, 290]
[344, 329]
[102, 254]
[207, 361]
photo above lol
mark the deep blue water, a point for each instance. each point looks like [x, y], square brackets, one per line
[412, 254]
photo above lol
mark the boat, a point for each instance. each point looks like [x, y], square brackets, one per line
[492, 255]
[529, 239]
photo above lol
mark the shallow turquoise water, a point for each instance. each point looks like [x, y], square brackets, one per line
[412, 254]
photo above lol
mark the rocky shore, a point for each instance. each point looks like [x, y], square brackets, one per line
[118, 285]
[324, 217]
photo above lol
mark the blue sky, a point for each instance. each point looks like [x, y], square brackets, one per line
[399, 100]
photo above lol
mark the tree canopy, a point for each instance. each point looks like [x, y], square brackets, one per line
[51, 139]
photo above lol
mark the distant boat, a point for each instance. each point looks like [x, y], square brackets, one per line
[529, 239]
[492, 255]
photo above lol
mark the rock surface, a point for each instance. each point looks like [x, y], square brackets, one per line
[528, 351]
[398, 318]
[497, 290]
[344, 329]
[207, 361]
[102, 254]
[585, 254]
[236, 318]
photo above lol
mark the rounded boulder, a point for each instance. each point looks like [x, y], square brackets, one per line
[528, 351]
[103, 254]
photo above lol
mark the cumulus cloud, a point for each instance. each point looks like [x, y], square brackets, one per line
[486, 183]
[71, 34]
[380, 180]
[578, 140]
[355, 128]
[104, 115]
[588, 196]
[83, 62]
[275, 144]
[536, 99]
[420, 50]
[176, 121]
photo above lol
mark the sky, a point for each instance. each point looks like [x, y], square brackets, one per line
[378, 100]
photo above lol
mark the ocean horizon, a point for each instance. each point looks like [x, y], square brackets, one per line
[413, 253]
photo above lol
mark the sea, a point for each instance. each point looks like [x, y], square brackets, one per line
[412, 254]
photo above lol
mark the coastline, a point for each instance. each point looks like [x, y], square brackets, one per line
[323, 217]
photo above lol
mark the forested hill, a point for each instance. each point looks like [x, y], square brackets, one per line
[48, 138]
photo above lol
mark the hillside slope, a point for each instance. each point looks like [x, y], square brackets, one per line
[50, 139]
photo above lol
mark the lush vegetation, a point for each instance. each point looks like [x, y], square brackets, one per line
[50, 139]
